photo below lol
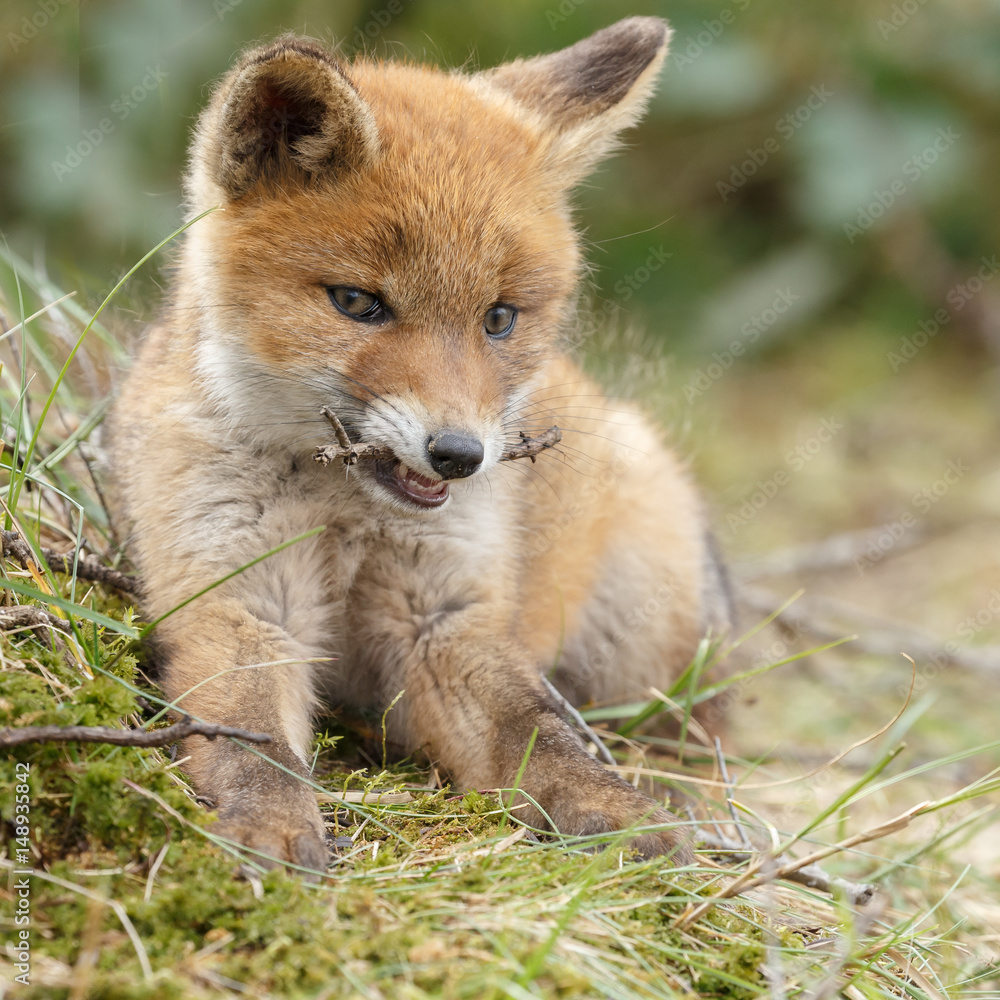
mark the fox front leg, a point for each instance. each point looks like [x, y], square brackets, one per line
[226, 666]
[475, 703]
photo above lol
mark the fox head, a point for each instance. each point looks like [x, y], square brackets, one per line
[395, 243]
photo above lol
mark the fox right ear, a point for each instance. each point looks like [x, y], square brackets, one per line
[586, 95]
[286, 111]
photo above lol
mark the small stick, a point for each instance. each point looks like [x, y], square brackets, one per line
[12, 737]
[751, 879]
[349, 452]
[532, 446]
[349, 456]
[603, 752]
[24, 616]
[28, 616]
[338, 428]
[88, 567]
[728, 784]
[858, 893]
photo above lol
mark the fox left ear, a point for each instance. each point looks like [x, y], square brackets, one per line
[287, 111]
[587, 94]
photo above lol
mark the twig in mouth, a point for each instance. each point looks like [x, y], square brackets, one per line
[350, 452]
[12, 737]
[532, 446]
[347, 452]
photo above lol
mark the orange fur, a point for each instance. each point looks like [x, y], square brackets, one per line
[443, 194]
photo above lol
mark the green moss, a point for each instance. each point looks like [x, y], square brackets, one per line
[78, 792]
[435, 911]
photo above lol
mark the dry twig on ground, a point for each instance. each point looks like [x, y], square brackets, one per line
[833, 552]
[87, 567]
[12, 737]
[811, 875]
[813, 615]
[29, 616]
[792, 869]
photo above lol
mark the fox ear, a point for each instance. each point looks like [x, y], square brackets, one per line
[587, 94]
[286, 110]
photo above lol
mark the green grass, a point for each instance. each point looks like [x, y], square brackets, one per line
[432, 893]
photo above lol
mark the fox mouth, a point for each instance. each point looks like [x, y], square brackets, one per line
[409, 485]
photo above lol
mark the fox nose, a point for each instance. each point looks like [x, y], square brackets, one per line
[454, 455]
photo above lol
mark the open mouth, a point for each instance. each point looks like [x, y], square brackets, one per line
[410, 485]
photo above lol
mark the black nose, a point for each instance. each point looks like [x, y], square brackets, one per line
[454, 455]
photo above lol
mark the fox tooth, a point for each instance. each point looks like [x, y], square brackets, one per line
[403, 470]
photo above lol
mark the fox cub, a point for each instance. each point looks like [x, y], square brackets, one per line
[394, 243]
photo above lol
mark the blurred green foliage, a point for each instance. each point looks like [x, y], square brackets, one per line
[803, 165]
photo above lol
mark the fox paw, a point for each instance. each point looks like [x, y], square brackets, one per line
[648, 843]
[287, 837]
[606, 804]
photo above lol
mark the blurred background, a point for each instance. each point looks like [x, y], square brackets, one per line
[794, 266]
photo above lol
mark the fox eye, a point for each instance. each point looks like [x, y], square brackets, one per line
[499, 321]
[357, 303]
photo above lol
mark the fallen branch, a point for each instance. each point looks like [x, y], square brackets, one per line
[786, 869]
[25, 616]
[12, 737]
[833, 552]
[810, 875]
[86, 567]
[349, 452]
[29, 616]
[883, 638]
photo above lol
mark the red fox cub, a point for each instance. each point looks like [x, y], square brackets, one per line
[394, 243]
